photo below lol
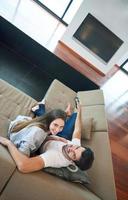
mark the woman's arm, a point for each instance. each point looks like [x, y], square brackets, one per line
[23, 163]
[56, 138]
[78, 124]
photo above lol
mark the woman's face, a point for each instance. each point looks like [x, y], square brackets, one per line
[56, 126]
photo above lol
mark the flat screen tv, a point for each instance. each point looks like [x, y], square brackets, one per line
[97, 38]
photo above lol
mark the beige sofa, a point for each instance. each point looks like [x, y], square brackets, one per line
[41, 185]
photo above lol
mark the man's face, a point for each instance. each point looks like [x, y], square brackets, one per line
[74, 151]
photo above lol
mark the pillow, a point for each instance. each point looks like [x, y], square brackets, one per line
[71, 173]
[87, 128]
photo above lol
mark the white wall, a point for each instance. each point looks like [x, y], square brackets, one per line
[114, 15]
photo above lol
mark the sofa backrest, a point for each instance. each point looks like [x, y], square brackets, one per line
[12, 103]
[59, 95]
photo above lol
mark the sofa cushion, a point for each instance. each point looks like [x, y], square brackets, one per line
[69, 174]
[59, 95]
[41, 185]
[96, 112]
[92, 97]
[7, 167]
[12, 103]
[101, 173]
[87, 126]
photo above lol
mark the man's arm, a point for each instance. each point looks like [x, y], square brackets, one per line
[78, 124]
[23, 163]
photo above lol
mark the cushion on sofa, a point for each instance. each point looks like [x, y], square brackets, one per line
[41, 185]
[19, 101]
[7, 167]
[92, 97]
[70, 174]
[12, 103]
[96, 112]
[59, 95]
[87, 126]
[101, 173]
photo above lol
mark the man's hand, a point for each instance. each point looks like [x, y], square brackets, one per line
[79, 108]
[4, 141]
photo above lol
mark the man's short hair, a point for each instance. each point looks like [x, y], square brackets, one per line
[86, 159]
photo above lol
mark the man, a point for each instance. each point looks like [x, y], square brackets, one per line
[55, 153]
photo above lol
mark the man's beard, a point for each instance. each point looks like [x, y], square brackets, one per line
[65, 151]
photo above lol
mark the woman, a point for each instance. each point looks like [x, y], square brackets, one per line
[28, 134]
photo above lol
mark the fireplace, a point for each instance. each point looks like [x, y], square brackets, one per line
[97, 38]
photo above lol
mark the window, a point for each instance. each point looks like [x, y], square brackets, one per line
[63, 10]
[124, 66]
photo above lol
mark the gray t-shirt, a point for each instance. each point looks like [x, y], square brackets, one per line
[28, 139]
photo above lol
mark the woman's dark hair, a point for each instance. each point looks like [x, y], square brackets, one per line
[52, 115]
[86, 160]
[43, 121]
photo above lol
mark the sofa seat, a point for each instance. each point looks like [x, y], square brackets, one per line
[40, 185]
[7, 167]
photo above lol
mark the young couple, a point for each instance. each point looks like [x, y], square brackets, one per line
[26, 136]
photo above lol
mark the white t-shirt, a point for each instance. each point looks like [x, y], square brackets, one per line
[53, 155]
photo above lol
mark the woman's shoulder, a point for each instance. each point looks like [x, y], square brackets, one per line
[36, 128]
[23, 117]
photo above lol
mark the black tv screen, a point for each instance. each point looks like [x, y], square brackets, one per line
[97, 38]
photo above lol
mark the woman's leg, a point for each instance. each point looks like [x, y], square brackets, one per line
[39, 109]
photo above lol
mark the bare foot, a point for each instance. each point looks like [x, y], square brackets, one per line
[68, 110]
[36, 107]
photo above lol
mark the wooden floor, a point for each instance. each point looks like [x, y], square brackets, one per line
[115, 88]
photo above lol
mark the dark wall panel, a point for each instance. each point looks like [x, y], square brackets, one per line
[43, 59]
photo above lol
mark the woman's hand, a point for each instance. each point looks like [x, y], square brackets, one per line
[4, 141]
[57, 138]
[61, 139]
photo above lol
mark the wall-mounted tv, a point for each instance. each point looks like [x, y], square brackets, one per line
[97, 38]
